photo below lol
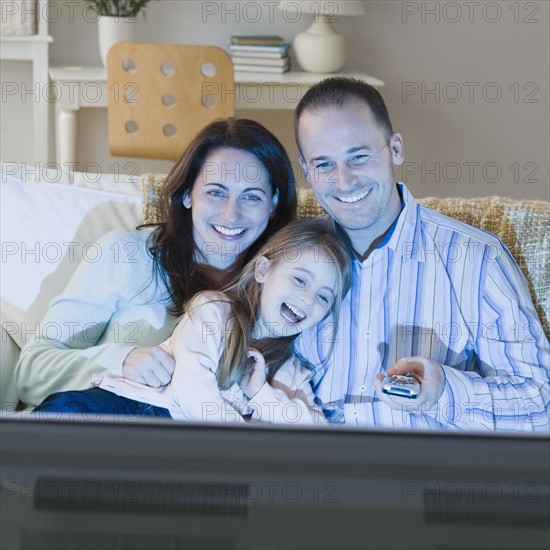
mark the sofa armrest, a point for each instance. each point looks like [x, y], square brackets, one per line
[9, 354]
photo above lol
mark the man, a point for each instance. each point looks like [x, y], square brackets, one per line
[431, 296]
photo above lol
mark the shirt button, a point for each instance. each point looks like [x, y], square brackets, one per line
[367, 334]
[362, 388]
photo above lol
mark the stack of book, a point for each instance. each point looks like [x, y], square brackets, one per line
[260, 54]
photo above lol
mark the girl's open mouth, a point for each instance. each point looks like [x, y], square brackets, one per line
[291, 313]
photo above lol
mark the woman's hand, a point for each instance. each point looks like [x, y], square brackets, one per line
[253, 381]
[149, 365]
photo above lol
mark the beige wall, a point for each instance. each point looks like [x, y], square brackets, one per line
[467, 84]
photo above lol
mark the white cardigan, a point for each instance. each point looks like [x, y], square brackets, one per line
[193, 394]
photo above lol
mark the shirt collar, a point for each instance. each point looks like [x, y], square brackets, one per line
[406, 237]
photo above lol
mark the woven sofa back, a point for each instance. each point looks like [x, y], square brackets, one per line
[522, 225]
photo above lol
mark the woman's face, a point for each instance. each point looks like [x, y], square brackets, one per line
[231, 201]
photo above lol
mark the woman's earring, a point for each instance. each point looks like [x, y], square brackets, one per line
[187, 200]
[274, 204]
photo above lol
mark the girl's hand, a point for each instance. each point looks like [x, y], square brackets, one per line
[253, 381]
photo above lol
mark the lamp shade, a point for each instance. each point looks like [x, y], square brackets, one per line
[320, 49]
[324, 7]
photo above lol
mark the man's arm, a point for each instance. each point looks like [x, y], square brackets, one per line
[510, 388]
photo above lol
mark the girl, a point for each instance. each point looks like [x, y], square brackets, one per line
[234, 349]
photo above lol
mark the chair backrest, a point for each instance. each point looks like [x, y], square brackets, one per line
[161, 95]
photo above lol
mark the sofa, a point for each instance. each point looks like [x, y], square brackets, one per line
[50, 221]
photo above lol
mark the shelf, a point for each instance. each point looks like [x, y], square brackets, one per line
[85, 86]
[34, 48]
[33, 39]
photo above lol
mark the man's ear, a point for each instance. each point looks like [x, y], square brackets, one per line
[397, 149]
[303, 166]
[261, 269]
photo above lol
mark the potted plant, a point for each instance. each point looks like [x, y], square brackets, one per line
[119, 8]
[117, 22]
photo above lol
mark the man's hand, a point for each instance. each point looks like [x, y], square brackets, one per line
[149, 365]
[429, 374]
[252, 382]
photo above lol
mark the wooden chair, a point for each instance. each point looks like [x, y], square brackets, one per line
[161, 95]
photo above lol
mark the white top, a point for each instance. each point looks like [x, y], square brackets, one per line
[193, 394]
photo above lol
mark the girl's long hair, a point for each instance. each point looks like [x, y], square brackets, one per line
[172, 244]
[244, 297]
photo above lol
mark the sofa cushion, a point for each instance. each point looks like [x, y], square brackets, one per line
[50, 221]
[522, 225]
[9, 354]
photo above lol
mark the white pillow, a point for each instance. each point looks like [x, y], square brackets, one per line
[50, 221]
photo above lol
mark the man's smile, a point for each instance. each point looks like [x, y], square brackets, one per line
[354, 198]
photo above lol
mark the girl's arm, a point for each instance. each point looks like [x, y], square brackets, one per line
[197, 344]
[289, 399]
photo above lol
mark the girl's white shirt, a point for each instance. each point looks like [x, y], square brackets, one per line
[193, 393]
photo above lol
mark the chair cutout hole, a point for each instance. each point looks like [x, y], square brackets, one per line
[168, 69]
[129, 65]
[168, 99]
[131, 95]
[169, 130]
[208, 101]
[208, 70]
[131, 126]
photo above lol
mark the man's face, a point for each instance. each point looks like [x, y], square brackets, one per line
[349, 164]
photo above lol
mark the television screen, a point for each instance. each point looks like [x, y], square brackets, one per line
[140, 483]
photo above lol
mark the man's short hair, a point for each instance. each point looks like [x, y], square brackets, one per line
[340, 91]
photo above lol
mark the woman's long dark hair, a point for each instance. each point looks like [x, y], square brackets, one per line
[172, 243]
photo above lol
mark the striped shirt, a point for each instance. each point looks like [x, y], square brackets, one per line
[441, 289]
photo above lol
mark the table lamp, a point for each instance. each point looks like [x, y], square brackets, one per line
[320, 49]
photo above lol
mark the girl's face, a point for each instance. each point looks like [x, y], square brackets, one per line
[298, 291]
[230, 203]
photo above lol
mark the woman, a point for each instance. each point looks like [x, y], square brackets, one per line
[234, 348]
[231, 188]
